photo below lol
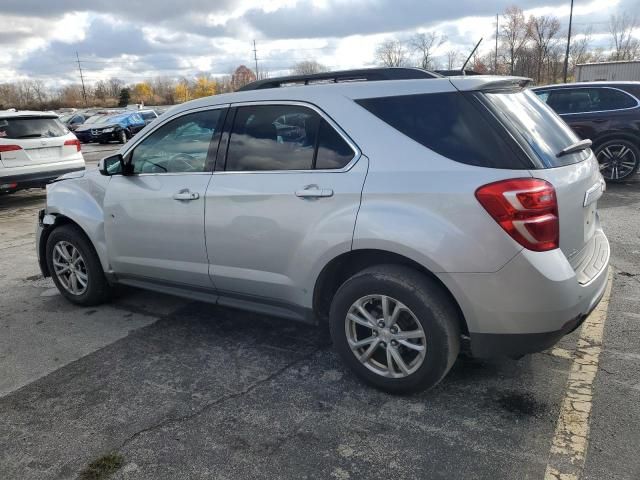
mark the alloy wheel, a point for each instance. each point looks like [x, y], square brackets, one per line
[70, 268]
[385, 336]
[617, 161]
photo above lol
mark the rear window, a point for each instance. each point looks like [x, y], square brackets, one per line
[451, 125]
[541, 132]
[31, 127]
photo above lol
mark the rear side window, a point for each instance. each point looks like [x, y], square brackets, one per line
[284, 137]
[333, 150]
[31, 127]
[584, 100]
[449, 124]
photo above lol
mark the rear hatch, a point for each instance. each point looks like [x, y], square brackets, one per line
[575, 176]
[31, 140]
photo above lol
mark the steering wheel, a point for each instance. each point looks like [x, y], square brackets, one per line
[182, 163]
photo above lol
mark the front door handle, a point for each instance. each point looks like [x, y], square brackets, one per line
[313, 191]
[186, 195]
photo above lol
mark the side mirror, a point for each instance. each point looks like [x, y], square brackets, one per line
[111, 165]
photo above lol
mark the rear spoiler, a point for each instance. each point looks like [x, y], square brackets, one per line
[487, 83]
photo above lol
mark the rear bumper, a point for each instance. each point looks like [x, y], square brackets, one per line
[36, 179]
[529, 304]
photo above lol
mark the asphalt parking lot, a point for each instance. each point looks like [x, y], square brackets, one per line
[180, 389]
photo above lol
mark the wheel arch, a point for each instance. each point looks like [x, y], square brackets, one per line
[616, 135]
[347, 264]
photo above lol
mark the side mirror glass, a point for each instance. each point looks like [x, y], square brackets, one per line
[112, 165]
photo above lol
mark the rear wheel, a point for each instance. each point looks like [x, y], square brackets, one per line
[75, 266]
[619, 159]
[395, 328]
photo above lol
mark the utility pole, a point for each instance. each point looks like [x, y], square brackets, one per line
[84, 92]
[495, 69]
[255, 57]
[566, 55]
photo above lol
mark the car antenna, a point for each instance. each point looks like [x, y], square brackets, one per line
[470, 55]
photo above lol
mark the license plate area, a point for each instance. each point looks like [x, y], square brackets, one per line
[44, 153]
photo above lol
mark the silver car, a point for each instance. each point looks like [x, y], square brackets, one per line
[407, 214]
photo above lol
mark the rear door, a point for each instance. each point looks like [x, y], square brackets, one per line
[286, 198]
[576, 176]
[41, 140]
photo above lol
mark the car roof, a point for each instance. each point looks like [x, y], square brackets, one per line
[26, 113]
[355, 90]
[587, 84]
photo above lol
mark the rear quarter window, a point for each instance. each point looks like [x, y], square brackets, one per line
[451, 124]
[31, 127]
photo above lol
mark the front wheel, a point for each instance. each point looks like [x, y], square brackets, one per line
[395, 328]
[619, 159]
[75, 267]
[122, 137]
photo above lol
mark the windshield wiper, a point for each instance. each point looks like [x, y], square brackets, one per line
[576, 147]
[31, 135]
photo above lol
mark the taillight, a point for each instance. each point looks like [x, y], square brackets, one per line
[10, 148]
[75, 142]
[526, 208]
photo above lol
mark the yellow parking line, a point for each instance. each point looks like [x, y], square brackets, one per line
[569, 446]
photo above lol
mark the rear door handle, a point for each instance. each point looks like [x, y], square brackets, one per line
[186, 195]
[313, 191]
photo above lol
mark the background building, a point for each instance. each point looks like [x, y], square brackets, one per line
[608, 71]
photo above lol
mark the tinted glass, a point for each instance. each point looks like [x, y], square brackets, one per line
[272, 137]
[31, 127]
[333, 150]
[583, 100]
[148, 115]
[179, 146]
[610, 99]
[533, 122]
[450, 124]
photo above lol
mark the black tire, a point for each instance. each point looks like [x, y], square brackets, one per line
[432, 308]
[97, 290]
[612, 147]
[122, 136]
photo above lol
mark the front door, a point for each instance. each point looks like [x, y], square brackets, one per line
[284, 203]
[154, 216]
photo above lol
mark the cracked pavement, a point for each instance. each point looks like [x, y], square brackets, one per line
[188, 390]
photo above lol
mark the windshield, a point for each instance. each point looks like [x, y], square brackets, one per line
[66, 117]
[31, 127]
[530, 120]
[99, 118]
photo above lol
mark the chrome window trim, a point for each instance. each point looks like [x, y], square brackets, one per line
[356, 150]
[158, 125]
[593, 86]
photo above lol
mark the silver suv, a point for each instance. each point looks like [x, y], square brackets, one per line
[408, 215]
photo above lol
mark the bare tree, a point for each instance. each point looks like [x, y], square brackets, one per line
[625, 44]
[424, 45]
[452, 59]
[392, 53]
[544, 30]
[115, 86]
[308, 67]
[579, 50]
[514, 33]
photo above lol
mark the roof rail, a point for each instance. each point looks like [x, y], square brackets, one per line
[363, 74]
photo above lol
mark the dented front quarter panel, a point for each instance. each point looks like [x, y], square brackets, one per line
[80, 198]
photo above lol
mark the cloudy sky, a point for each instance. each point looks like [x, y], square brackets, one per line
[136, 39]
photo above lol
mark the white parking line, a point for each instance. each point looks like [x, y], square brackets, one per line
[569, 446]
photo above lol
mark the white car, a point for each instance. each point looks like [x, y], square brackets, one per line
[35, 148]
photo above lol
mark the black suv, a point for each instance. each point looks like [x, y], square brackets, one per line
[607, 113]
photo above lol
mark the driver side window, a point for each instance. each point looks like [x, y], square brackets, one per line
[179, 146]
